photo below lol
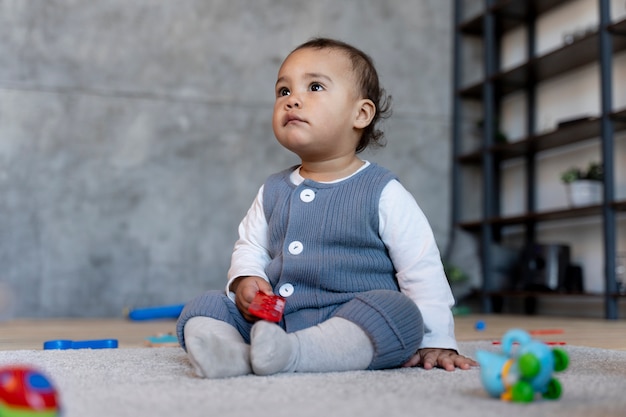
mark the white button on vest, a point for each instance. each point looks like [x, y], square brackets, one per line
[307, 195]
[285, 290]
[295, 247]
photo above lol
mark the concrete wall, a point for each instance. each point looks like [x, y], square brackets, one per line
[135, 134]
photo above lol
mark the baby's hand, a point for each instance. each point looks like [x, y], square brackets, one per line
[245, 289]
[447, 359]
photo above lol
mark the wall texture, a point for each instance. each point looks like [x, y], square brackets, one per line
[134, 136]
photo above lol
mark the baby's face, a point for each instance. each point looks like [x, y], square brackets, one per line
[316, 104]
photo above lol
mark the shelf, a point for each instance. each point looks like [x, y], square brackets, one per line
[544, 216]
[619, 116]
[592, 49]
[618, 28]
[585, 129]
[579, 53]
[530, 297]
[547, 293]
[471, 158]
[573, 132]
[510, 14]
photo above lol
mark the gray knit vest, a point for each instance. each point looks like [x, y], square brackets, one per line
[338, 251]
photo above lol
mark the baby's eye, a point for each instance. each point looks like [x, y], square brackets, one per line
[316, 87]
[283, 91]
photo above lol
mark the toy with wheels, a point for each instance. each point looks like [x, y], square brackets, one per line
[525, 367]
[26, 392]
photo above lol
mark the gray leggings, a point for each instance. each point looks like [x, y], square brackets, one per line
[392, 321]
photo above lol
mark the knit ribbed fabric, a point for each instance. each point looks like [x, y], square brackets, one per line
[326, 253]
[342, 253]
[217, 305]
[393, 322]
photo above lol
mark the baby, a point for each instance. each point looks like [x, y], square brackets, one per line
[338, 237]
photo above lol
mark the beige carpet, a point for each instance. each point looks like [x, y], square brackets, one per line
[160, 382]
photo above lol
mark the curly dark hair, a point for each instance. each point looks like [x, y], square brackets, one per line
[367, 76]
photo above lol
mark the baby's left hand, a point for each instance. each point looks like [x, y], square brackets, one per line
[447, 359]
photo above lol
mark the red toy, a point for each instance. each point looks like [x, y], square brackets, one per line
[25, 391]
[267, 307]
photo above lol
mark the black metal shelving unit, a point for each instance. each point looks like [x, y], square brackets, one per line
[598, 46]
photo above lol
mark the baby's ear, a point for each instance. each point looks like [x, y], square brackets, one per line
[365, 111]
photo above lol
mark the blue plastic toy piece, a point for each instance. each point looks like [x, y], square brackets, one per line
[80, 344]
[155, 313]
[524, 367]
[162, 340]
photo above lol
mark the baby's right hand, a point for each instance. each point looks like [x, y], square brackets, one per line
[245, 289]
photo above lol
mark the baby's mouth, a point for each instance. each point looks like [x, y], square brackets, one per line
[291, 118]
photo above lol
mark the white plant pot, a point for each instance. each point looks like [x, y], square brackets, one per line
[584, 193]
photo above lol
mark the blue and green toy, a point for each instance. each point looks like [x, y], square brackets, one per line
[523, 369]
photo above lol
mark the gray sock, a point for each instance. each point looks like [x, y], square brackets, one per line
[216, 349]
[272, 350]
[334, 345]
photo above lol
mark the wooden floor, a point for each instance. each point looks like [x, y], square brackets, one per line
[30, 334]
[599, 333]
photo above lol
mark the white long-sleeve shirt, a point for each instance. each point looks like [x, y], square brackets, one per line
[403, 228]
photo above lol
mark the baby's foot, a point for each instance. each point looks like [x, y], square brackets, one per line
[214, 357]
[272, 350]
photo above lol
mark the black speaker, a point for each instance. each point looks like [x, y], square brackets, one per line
[574, 282]
[545, 267]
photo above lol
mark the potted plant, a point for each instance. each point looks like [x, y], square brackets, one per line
[499, 137]
[458, 281]
[584, 187]
[454, 274]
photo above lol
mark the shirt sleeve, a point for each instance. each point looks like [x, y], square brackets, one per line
[250, 255]
[409, 238]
